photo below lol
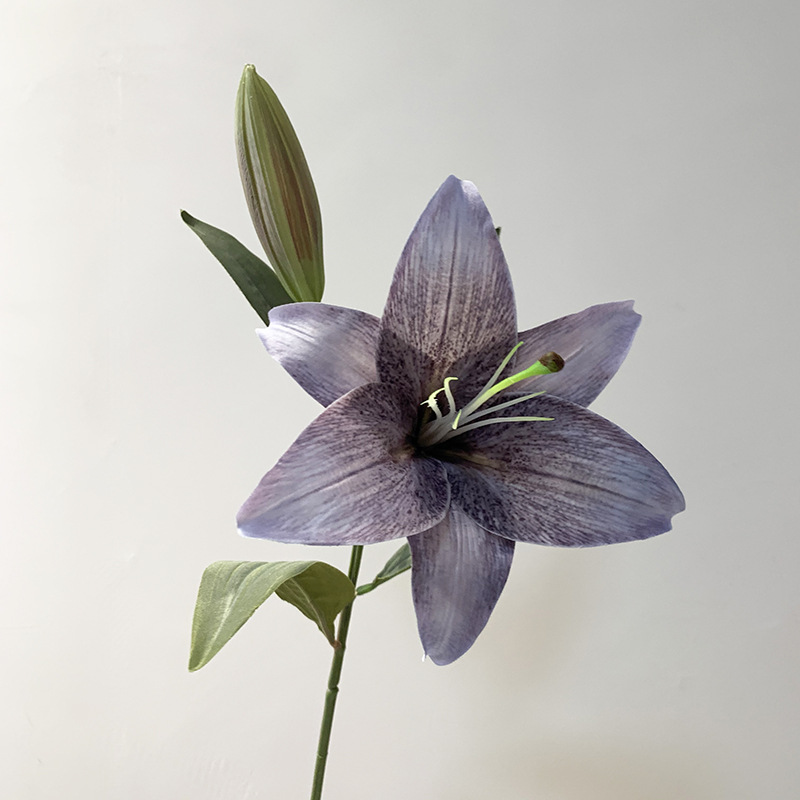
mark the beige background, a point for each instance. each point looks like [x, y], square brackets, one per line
[628, 149]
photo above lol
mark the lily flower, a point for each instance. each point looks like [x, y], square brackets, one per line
[446, 426]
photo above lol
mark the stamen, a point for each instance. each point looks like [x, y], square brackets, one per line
[449, 395]
[458, 421]
[548, 363]
[499, 371]
[474, 425]
[432, 404]
[501, 406]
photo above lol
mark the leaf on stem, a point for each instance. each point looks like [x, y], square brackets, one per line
[231, 591]
[396, 565]
[254, 277]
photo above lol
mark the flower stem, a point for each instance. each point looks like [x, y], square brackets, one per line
[333, 681]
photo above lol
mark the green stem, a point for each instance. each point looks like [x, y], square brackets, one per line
[333, 681]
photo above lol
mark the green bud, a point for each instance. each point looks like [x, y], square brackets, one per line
[278, 187]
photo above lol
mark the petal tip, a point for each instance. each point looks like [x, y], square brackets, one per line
[453, 185]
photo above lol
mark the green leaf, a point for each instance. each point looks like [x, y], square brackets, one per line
[255, 278]
[396, 565]
[231, 591]
[320, 592]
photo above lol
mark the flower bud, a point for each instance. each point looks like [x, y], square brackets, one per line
[278, 187]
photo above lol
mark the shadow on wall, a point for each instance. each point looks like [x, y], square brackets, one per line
[536, 665]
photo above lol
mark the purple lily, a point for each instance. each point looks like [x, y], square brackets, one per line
[442, 428]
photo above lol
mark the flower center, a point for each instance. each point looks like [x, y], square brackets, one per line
[457, 421]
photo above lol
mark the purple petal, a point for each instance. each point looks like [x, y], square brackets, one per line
[459, 571]
[593, 343]
[574, 482]
[350, 478]
[328, 350]
[450, 309]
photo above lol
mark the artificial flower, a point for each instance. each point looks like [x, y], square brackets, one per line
[441, 427]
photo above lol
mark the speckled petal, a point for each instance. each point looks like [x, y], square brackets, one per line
[593, 343]
[458, 573]
[328, 350]
[349, 478]
[450, 309]
[577, 481]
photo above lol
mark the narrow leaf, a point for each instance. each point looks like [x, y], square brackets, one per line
[396, 565]
[231, 591]
[255, 278]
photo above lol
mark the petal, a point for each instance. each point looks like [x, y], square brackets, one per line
[576, 481]
[328, 350]
[593, 343]
[458, 573]
[450, 309]
[350, 478]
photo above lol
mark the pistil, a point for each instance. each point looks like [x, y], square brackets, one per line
[458, 421]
